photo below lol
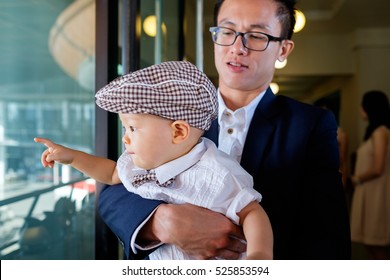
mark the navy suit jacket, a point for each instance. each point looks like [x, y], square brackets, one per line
[291, 151]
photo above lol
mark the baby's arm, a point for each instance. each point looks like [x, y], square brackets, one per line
[258, 232]
[98, 168]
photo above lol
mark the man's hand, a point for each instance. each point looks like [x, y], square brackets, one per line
[199, 232]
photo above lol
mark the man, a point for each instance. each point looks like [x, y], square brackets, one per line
[288, 147]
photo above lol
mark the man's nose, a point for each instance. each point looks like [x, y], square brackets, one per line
[238, 47]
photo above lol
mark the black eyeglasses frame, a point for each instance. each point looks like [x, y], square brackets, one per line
[215, 29]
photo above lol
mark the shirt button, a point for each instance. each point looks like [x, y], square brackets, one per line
[230, 130]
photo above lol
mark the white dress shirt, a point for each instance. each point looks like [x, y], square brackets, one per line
[234, 125]
[205, 177]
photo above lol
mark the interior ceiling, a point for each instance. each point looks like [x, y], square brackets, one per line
[344, 16]
[23, 23]
[329, 17]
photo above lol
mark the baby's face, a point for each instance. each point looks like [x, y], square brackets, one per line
[147, 138]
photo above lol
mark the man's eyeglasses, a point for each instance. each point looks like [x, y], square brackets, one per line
[255, 41]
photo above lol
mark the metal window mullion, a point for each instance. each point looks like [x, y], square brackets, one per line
[199, 34]
[158, 39]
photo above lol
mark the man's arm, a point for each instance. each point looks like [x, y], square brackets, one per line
[197, 231]
[324, 215]
[123, 212]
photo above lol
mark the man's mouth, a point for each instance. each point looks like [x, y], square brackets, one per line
[237, 65]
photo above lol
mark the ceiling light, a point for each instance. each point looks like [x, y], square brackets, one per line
[274, 87]
[150, 26]
[280, 64]
[300, 21]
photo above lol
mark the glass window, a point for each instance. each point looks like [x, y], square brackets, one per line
[160, 44]
[47, 54]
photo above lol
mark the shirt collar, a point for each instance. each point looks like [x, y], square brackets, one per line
[175, 167]
[249, 109]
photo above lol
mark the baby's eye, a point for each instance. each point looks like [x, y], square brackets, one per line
[132, 128]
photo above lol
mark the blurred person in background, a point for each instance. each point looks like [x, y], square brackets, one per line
[370, 213]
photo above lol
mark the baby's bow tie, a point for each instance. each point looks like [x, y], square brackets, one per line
[150, 176]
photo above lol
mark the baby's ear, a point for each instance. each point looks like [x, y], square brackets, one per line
[180, 131]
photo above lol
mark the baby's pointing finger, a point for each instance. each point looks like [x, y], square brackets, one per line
[44, 141]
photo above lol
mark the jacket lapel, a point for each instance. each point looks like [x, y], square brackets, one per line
[259, 134]
[213, 132]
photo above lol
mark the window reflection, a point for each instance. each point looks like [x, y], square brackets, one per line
[46, 89]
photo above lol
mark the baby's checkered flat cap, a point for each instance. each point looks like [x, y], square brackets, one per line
[175, 90]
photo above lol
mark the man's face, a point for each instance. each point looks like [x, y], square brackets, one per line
[239, 68]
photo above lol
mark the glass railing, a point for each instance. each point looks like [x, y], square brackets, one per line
[53, 223]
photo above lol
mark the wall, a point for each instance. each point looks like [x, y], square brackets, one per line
[357, 63]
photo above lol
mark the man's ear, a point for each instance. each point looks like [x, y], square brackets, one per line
[180, 131]
[286, 48]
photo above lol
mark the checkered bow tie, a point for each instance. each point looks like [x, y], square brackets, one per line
[150, 176]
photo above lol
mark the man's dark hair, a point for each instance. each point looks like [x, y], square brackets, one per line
[285, 13]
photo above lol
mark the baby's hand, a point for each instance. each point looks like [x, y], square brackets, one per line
[54, 153]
